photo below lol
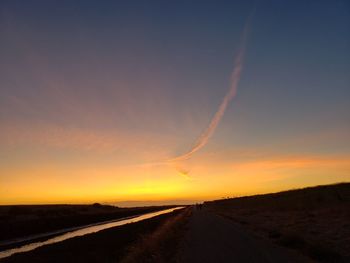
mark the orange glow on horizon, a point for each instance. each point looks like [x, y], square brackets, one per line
[52, 184]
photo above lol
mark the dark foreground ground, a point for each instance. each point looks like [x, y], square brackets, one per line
[306, 225]
[22, 220]
[313, 221]
[215, 239]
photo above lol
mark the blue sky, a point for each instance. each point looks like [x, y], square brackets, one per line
[123, 83]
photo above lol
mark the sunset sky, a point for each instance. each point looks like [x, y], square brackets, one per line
[96, 96]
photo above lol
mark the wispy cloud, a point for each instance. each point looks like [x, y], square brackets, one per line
[215, 121]
[140, 146]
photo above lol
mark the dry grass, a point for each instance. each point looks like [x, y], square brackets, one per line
[315, 221]
[161, 245]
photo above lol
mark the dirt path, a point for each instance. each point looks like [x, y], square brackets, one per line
[212, 238]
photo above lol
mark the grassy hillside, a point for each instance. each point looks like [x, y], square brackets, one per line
[314, 220]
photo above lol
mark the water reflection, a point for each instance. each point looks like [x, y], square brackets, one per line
[82, 232]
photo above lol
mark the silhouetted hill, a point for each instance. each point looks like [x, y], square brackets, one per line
[310, 197]
[313, 220]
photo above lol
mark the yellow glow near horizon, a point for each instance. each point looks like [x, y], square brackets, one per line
[50, 184]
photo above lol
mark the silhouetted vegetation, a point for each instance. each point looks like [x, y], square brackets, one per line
[314, 220]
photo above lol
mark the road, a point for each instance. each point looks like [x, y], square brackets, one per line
[215, 239]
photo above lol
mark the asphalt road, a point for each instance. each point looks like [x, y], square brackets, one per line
[214, 239]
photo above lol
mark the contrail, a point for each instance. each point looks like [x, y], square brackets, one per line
[235, 77]
[231, 93]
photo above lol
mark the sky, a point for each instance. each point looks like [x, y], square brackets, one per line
[98, 98]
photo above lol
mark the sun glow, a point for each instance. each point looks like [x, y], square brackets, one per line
[133, 106]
